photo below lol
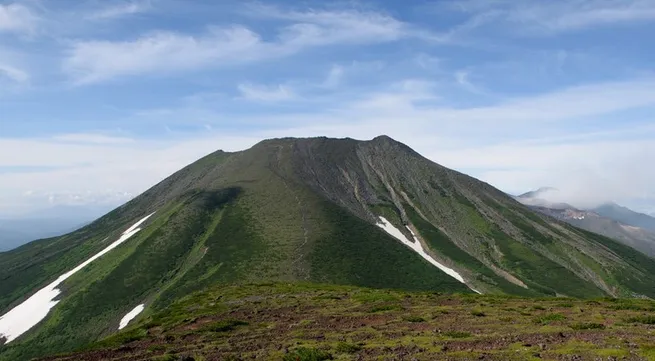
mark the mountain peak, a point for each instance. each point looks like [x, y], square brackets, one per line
[539, 192]
[384, 139]
[371, 213]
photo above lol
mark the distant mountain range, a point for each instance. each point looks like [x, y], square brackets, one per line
[626, 216]
[612, 220]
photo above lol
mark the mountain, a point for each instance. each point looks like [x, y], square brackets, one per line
[333, 211]
[635, 237]
[539, 198]
[626, 216]
[603, 222]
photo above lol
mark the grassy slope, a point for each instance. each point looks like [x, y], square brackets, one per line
[484, 225]
[98, 296]
[27, 268]
[358, 253]
[212, 238]
[489, 225]
[37, 263]
[439, 242]
[296, 321]
[638, 282]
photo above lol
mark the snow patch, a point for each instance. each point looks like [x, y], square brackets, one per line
[130, 316]
[417, 247]
[29, 313]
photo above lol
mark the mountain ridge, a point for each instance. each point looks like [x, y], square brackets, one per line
[626, 216]
[607, 220]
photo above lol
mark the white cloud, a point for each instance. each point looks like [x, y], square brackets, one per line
[512, 145]
[546, 17]
[575, 102]
[329, 27]
[14, 74]
[340, 74]
[15, 17]
[587, 174]
[334, 76]
[428, 62]
[263, 93]
[88, 173]
[170, 52]
[93, 61]
[91, 138]
[462, 78]
[119, 10]
[583, 14]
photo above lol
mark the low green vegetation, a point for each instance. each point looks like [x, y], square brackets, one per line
[225, 325]
[539, 272]
[588, 326]
[345, 347]
[286, 321]
[646, 320]
[383, 308]
[551, 317]
[440, 243]
[457, 334]
[414, 319]
[307, 354]
[640, 281]
[359, 253]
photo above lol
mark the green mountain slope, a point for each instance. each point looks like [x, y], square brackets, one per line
[308, 210]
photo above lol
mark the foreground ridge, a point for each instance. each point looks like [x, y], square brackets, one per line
[320, 322]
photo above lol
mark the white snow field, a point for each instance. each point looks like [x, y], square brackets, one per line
[26, 315]
[130, 316]
[418, 248]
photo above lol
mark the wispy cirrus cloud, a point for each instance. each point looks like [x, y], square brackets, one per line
[334, 76]
[320, 27]
[91, 138]
[17, 18]
[549, 17]
[13, 74]
[96, 61]
[462, 77]
[261, 93]
[576, 15]
[119, 9]
[169, 51]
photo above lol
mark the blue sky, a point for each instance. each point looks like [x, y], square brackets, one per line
[99, 100]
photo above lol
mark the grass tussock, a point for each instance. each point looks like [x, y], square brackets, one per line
[225, 326]
[308, 354]
[549, 318]
[588, 326]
